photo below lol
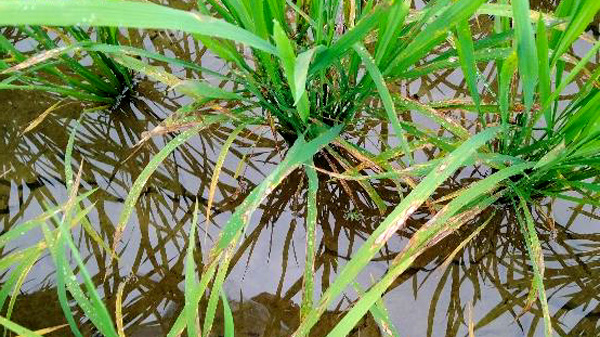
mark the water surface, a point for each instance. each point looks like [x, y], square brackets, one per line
[492, 275]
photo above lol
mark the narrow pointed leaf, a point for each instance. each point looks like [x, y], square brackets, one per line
[526, 50]
[132, 14]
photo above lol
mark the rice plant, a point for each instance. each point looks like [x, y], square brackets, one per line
[311, 72]
[88, 77]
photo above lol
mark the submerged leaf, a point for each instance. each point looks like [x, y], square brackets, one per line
[38, 120]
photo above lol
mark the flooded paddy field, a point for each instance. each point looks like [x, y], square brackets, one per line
[477, 279]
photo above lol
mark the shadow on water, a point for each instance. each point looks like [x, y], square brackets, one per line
[492, 273]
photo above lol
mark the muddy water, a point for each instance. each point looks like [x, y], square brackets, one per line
[492, 274]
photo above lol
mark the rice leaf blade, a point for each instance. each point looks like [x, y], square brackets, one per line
[140, 182]
[544, 69]
[526, 50]
[536, 256]
[301, 73]
[436, 228]
[386, 97]
[288, 60]
[16, 328]
[579, 22]
[297, 155]
[191, 311]
[311, 224]
[394, 222]
[130, 14]
[228, 316]
[432, 34]
[466, 56]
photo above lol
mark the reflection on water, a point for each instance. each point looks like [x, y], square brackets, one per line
[492, 274]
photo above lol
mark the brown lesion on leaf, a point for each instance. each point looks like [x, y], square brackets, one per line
[388, 233]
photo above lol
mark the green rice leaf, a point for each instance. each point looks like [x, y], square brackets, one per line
[288, 60]
[386, 98]
[579, 22]
[562, 83]
[140, 182]
[217, 288]
[16, 328]
[434, 230]
[286, 52]
[394, 222]
[395, 18]
[380, 314]
[556, 153]
[505, 79]
[311, 224]
[199, 89]
[57, 251]
[300, 152]
[93, 307]
[21, 260]
[228, 317]
[301, 72]
[432, 34]
[467, 59]
[191, 301]
[588, 186]
[526, 50]
[347, 41]
[22, 272]
[536, 256]
[544, 68]
[132, 14]
[191, 312]
[239, 11]
[449, 62]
